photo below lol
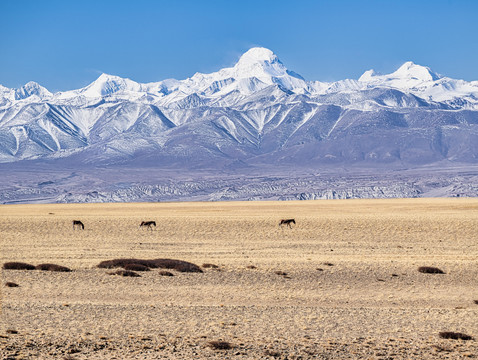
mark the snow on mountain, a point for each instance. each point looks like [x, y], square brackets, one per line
[255, 112]
[407, 75]
[32, 89]
[30, 92]
[105, 85]
[423, 82]
[255, 70]
[264, 65]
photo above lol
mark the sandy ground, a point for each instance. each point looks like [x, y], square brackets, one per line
[351, 288]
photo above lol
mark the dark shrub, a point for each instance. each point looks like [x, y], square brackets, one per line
[455, 335]
[281, 273]
[210, 266]
[116, 263]
[272, 353]
[136, 267]
[430, 270]
[11, 284]
[179, 265]
[52, 267]
[18, 266]
[165, 273]
[440, 348]
[475, 301]
[125, 273]
[220, 345]
[252, 267]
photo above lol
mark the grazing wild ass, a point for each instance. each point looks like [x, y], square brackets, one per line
[148, 224]
[78, 224]
[287, 222]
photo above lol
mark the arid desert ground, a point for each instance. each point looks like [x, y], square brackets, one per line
[342, 283]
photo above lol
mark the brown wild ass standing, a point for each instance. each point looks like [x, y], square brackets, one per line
[79, 224]
[287, 222]
[148, 224]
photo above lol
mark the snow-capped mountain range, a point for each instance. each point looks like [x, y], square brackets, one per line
[256, 113]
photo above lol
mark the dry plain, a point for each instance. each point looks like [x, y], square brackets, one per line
[349, 288]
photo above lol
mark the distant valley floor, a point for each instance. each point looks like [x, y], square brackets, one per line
[36, 183]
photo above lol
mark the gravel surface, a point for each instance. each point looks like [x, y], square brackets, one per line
[342, 284]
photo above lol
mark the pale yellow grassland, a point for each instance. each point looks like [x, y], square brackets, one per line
[351, 270]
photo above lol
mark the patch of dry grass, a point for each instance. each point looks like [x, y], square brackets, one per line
[15, 265]
[454, 335]
[209, 266]
[273, 353]
[165, 273]
[52, 267]
[220, 345]
[178, 265]
[430, 270]
[136, 267]
[126, 273]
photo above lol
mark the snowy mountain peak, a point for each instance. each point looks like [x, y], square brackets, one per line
[368, 75]
[107, 77]
[31, 88]
[259, 62]
[257, 54]
[410, 70]
[256, 69]
[421, 81]
[109, 84]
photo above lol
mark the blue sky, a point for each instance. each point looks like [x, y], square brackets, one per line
[66, 45]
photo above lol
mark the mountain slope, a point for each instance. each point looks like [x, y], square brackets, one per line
[255, 113]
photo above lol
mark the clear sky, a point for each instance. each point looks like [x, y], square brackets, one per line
[67, 44]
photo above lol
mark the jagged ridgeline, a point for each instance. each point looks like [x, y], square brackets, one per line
[254, 113]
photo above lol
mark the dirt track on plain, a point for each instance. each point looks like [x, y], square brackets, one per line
[342, 283]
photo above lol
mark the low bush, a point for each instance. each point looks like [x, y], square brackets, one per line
[11, 284]
[136, 267]
[272, 353]
[210, 266]
[18, 266]
[165, 273]
[455, 335]
[430, 270]
[178, 265]
[121, 263]
[52, 267]
[220, 345]
[125, 273]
